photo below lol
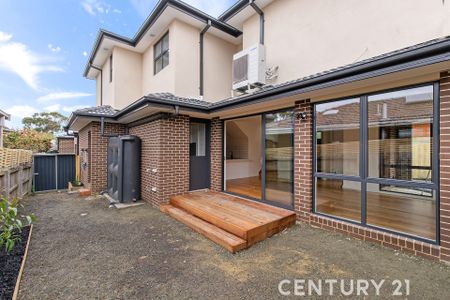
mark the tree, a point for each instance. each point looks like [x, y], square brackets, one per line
[28, 139]
[51, 122]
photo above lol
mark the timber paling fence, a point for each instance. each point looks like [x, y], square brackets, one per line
[16, 172]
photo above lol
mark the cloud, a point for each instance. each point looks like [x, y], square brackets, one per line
[4, 37]
[70, 109]
[94, 7]
[61, 96]
[52, 108]
[17, 58]
[85, 53]
[117, 11]
[18, 112]
[54, 48]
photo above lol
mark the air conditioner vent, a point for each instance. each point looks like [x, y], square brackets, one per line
[249, 68]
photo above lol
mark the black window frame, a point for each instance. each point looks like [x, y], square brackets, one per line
[157, 56]
[363, 177]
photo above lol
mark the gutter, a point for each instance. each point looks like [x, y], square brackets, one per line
[202, 37]
[261, 20]
[101, 82]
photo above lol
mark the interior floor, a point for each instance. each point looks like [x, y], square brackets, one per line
[251, 187]
[391, 211]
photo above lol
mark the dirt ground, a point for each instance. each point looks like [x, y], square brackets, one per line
[81, 249]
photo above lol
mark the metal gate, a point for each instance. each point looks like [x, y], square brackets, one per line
[53, 171]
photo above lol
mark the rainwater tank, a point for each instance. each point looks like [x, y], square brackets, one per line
[124, 156]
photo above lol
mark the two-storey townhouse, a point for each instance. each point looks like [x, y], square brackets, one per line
[348, 126]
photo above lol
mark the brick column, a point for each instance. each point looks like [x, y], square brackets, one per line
[444, 95]
[216, 154]
[303, 161]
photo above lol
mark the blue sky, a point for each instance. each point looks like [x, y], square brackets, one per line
[44, 46]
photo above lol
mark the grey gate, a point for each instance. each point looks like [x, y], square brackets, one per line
[53, 171]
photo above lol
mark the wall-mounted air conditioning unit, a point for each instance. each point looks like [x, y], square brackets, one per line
[249, 68]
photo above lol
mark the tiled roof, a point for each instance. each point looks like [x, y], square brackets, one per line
[104, 110]
[185, 100]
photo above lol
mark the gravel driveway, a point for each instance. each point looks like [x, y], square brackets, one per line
[81, 249]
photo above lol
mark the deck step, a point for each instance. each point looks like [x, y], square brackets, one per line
[225, 239]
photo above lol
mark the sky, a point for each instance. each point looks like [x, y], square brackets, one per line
[45, 44]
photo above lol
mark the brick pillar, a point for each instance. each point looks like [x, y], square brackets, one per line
[303, 161]
[444, 148]
[216, 154]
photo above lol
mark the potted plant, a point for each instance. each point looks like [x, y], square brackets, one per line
[75, 185]
[15, 232]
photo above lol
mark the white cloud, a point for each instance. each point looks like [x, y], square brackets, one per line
[54, 107]
[94, 7]
[4, 37]
[85, 53]
[18, 112]
[54, 48]
[117, 11]
[72, 108]
[17, 58]
[61, 96]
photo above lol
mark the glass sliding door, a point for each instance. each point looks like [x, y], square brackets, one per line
[243, 158]
[258, 157]
[279, 148]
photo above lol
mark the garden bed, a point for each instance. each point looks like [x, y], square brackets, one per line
[11, 265]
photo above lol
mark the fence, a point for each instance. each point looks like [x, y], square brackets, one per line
[53, 171]
[16, 172]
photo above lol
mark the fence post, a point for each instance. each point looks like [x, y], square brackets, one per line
[7, 183]
[20, 183]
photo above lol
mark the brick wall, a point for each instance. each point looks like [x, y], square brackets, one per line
[93, 160]
[445, 165]
[165, 149]
[66, 145]
[216, 154]
[303, 186]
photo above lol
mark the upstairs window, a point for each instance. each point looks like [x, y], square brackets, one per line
[161, 54]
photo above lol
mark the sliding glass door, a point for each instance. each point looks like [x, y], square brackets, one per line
[279, 149]
[258, 152]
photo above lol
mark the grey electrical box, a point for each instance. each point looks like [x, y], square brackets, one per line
[124, 157]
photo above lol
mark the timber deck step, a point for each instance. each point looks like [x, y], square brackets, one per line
[247, 220]
[225, 239]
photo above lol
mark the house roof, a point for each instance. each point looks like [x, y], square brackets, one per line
[164, 7]
[5, 114]
[423, 54]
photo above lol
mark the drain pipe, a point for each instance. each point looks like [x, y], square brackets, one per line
[261, 20]
[202, 36]
[102, 129]
[101, 82]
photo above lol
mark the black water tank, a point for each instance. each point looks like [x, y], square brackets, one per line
[124, 157]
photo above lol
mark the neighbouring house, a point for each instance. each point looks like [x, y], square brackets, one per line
[66, 144]
[3, 117]
[338, 111]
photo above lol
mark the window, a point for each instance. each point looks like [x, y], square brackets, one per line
[161, 54]
[374, 161]
[197, 139]
[110, 68]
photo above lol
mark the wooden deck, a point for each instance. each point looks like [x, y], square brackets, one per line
[229, 221]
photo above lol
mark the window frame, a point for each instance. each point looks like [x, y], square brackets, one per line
[363, 177]
[160, 55]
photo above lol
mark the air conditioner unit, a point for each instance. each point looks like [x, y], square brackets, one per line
[249, 68]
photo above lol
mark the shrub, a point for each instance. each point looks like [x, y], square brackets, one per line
[29, 139]
[11, 223]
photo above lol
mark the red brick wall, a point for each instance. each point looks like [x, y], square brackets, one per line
[165, 147]
[216, 154]
[445, 165]
[66, 145]
[95, 157]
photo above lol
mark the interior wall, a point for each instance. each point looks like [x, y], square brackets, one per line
[242, 168]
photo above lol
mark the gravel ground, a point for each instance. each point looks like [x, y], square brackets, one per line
[81, 249]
